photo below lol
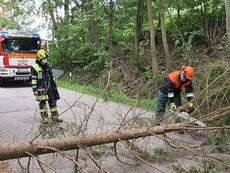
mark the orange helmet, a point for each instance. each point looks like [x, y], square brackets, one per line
[189, 72]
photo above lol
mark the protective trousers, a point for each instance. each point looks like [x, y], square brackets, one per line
[161, 103]
[52, 104]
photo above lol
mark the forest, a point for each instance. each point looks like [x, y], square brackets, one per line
[123, 49]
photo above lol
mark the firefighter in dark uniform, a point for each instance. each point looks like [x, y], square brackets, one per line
[170, 90]
[44, 87]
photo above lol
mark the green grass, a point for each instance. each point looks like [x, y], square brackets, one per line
[107, 95]
[69, 84]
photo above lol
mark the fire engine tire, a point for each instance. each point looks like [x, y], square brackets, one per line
[1, 82]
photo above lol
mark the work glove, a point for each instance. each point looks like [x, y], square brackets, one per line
[172, 107]
[190, 107]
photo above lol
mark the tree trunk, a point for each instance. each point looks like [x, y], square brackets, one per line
[66, 11]
[52, 17]
[93, 31]
[58, 19]
[154, 63]
[164, 36]
[111, 13]
[18, 150]
[138, 27]
[227, 10]
[92, 25]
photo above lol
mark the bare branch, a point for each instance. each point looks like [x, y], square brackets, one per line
[147, 163]
[92, 158]
[41, 163]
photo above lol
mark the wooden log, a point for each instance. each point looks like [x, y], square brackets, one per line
[18, 150]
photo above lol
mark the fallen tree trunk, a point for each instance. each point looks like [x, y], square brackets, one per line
[18, 150]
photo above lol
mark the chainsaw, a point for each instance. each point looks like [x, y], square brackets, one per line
[183, 114]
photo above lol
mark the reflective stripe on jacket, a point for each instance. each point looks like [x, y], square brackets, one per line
[39, 84]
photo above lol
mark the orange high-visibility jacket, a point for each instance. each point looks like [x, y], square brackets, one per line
[172, 85]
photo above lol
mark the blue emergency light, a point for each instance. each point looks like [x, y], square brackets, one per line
[4, 33]
[19, 34]
[36, 35]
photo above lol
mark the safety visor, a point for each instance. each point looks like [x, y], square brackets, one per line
[183, 78]
[186, 79]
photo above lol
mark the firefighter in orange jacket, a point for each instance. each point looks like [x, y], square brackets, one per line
[170, 90]
[44, 87]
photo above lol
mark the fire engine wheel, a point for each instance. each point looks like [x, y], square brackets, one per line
[1, 82]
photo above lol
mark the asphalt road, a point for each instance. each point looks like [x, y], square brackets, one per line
[20, 121]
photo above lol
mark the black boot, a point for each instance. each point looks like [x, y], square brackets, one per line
[44, 116]
[159, 117]
[43, 111]
[55, 118]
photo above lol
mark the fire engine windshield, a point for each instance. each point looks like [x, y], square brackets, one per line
[21, 45]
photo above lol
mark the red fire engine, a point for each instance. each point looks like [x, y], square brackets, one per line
[17, 54]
